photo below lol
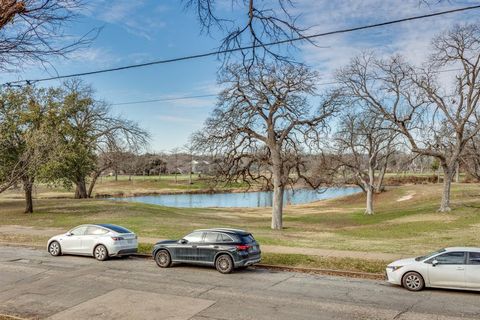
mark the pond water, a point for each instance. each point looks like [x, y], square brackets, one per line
[240, 199]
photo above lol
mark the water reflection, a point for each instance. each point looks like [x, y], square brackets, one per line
[240, 200]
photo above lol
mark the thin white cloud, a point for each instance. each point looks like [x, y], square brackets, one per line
[129, 15]
[411, 39]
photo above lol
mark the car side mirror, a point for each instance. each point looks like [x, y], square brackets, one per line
[183, 241]
[434, 263]
[68, 234]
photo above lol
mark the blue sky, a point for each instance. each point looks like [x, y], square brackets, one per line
[141, 30]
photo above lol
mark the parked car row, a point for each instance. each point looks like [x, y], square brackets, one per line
[228, 249]
[225, 249]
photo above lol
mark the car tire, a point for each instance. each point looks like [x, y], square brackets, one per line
[224, 264]
[413, 281]
[54, 248]
[100, 252]
[163, 259]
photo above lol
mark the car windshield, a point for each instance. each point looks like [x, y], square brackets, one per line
[429, 255]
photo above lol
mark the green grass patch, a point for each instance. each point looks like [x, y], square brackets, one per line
[145, 248]
[307, 261]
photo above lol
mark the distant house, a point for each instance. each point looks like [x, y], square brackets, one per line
[200, 166]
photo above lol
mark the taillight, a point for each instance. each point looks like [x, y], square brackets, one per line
[243, 247]
[117, 238]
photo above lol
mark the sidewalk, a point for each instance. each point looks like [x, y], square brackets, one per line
[24, 230]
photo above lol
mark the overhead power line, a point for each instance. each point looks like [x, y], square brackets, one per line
[164, 99]
[214, 53]
[215, 95]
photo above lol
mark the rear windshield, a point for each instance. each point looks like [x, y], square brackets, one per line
[115, 228]
[248, 238]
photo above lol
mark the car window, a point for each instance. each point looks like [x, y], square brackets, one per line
[451, 258]
[222, 237]
[96, 231]
[248, 238]
[211, 237]
[115, 228]
[194, 237]
[474, 258]
[80, 231]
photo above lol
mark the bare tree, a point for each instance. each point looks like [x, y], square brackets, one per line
[265, 23]
[32, 30]
[437, 120]
[364, 143]
[260, 125]
[175, 165]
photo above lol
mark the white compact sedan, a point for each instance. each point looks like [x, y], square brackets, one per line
[450, 268]
[98, 240]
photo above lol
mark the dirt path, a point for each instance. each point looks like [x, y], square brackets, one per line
[48, 232]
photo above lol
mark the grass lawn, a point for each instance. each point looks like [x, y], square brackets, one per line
[406, 221]
[408, 226]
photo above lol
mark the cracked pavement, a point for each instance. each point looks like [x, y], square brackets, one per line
[35, 285]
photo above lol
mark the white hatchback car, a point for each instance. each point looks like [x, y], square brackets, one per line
[450, 268]
[98, 240]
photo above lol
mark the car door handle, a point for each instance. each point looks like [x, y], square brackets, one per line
[215, 247]
[194, 247]
[460, 268]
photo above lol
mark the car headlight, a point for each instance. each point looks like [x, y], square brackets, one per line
[394, 268]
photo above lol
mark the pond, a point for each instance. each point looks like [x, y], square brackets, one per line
[240, 199]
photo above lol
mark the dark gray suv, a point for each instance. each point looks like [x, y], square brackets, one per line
[223, 248]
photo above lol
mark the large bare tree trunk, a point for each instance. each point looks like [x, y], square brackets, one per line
[28, 188]
[447, 182]
[81, 189]
[277, 204]
[369, 209]
[277, 207]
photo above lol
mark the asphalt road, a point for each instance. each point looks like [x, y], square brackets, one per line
[34, 284]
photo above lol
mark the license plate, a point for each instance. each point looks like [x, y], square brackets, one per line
[129, 241]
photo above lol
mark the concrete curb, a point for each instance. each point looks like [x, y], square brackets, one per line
[331, 272]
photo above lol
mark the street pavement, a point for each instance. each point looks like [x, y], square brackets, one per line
[35, 285]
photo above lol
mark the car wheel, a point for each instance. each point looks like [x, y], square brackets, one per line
[100, 253]
[224, 263]
[413, 281]
[54, 248]
[163, 259]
